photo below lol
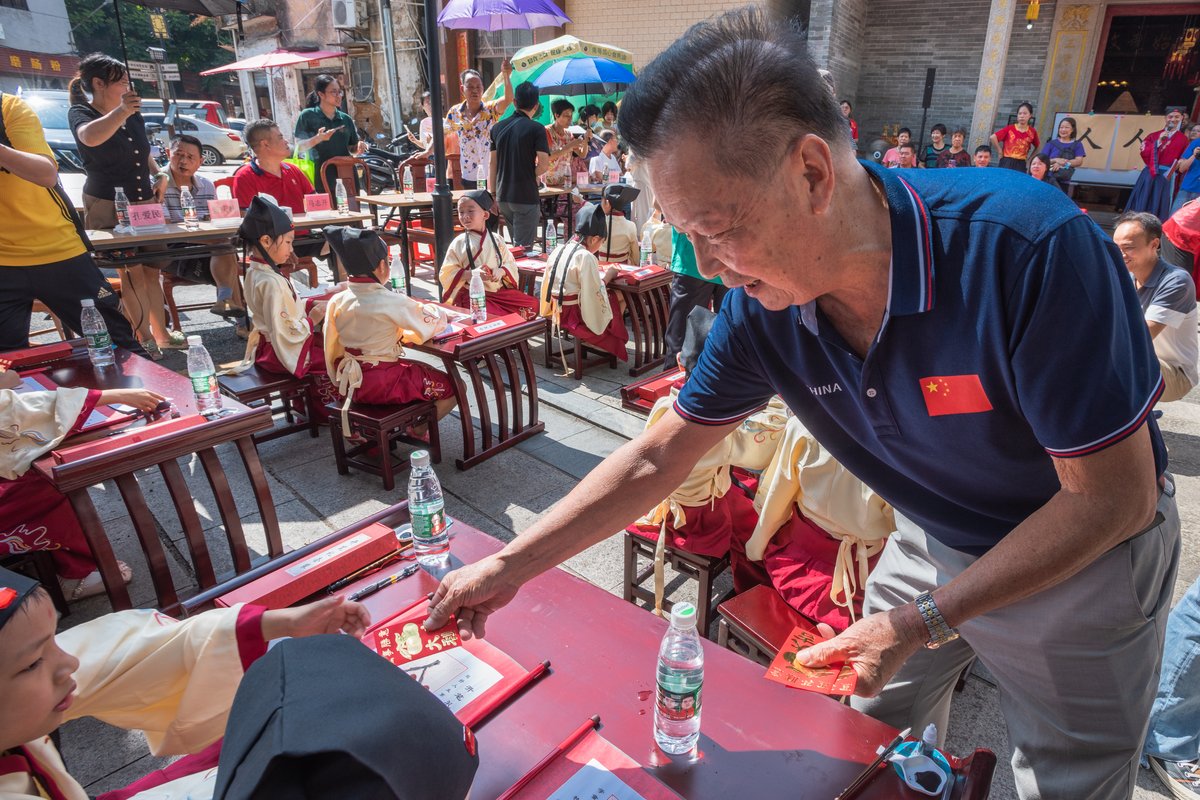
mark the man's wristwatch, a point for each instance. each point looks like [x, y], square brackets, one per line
[939, 631]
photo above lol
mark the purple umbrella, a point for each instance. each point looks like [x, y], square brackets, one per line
[498, 15]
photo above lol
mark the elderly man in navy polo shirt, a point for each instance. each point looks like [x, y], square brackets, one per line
[967, 344]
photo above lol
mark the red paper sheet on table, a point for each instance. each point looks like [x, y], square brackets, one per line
[595, 768]
[834, 679]
[469, 678]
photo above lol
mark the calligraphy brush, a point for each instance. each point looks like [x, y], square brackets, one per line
[869, 774]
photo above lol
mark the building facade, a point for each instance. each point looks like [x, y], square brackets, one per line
[36, 51]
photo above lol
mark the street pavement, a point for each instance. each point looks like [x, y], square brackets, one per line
[584, 423]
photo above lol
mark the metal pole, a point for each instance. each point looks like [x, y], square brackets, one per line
[121, 34]
[389, 61]
[441, 191]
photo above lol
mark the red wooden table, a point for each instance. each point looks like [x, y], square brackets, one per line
[507, 348]
[759, 739]
[121, 462]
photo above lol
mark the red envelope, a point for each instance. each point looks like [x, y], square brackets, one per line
[402, 642]
[837, 678]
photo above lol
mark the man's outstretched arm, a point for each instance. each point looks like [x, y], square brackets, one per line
[633, 479]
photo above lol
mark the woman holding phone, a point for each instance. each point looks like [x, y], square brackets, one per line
[324, 130]
[111, 136]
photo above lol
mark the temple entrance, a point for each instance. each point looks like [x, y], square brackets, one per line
[1149, 58]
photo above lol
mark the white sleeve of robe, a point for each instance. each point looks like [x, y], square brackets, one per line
[173, 679]
[593, 294]
[34, 423]
[276, 311]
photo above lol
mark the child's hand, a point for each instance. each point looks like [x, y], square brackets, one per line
[141, 399]
[330, 615]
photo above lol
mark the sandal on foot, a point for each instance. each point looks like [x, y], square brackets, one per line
[92, 584]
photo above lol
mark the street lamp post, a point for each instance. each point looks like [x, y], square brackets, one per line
[441, 191]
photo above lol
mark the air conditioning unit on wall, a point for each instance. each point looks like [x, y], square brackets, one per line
[348, 14]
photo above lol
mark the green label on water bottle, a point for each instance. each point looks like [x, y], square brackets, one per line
[99, 341]
[204, 384]
[428, 526]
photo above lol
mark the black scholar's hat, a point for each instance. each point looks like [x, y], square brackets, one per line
[359, 249]
[14, 588]
[621, 194]
[326, 717]
[589, 221]
[482, 198]
[264, 218]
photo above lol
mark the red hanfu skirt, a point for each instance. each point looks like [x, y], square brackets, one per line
[612, 340]
[402, 382]
[506, 300]
[312, 363]
[38, 517]
[800, 561]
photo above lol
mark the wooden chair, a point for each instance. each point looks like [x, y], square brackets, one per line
[284, 394]
[56, 324]
[381, 428]
[348, 169]
[584, 355]
[704, 570]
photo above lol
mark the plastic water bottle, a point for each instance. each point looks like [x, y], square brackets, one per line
[482, 182]
[478, 296]
[551, 236]
[647, 249]
[203, 376]
[396, 273]
[431, 542]
[408, 183]
[680, 681]
[430, 178]
[188, 204]
[99, 343]
[121, 202]
[339, 192]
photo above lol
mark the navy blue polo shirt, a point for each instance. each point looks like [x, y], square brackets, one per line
[1013, 334]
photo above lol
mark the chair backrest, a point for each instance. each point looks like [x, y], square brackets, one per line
[347, 168]
[226, 181]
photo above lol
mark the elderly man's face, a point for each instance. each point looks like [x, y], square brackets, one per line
[1139, 251]
[185, 160]
[747, 234]
[472, 89]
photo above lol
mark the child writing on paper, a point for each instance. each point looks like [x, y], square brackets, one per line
[574, 294]
[36, 516]
[139, 670]
[285, 339]
[478, 247]
[367, 326]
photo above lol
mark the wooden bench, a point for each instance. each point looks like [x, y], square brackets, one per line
[584, 355]
[380, 428]
[280, 393]
[702, 569]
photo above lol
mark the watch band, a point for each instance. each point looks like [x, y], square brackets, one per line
[939, 631]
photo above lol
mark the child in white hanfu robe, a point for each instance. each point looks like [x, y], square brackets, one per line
[478, 247]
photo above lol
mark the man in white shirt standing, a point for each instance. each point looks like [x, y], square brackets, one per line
[1168, 298]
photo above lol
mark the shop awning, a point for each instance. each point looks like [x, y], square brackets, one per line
[277, 58]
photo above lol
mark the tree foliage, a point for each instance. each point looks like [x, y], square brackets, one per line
[194, 42]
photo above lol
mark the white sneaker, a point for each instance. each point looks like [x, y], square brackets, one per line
[1182, 778]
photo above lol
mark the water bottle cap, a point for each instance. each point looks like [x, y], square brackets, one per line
[194, 341]
[683, 615]
[419, 458]
[87, 303]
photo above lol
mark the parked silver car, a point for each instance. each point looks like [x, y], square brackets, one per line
[217, 144]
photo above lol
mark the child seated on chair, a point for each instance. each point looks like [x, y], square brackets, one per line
[285, 339]
[575, 296]
[367, 326]
[660, 237]
[712, 512]
[478, 247]
[141, 670]
[621, 244]
[36, 515]
[820, 529]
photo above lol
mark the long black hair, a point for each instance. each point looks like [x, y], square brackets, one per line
[319, 85]
[96, 65]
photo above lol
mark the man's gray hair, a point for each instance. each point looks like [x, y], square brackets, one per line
[743, 76]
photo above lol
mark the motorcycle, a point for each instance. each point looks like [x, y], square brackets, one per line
[384, 161]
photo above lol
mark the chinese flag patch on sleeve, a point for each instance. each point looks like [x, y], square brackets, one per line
[954, 394]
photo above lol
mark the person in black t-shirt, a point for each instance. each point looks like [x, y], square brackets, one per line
[521, 153]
